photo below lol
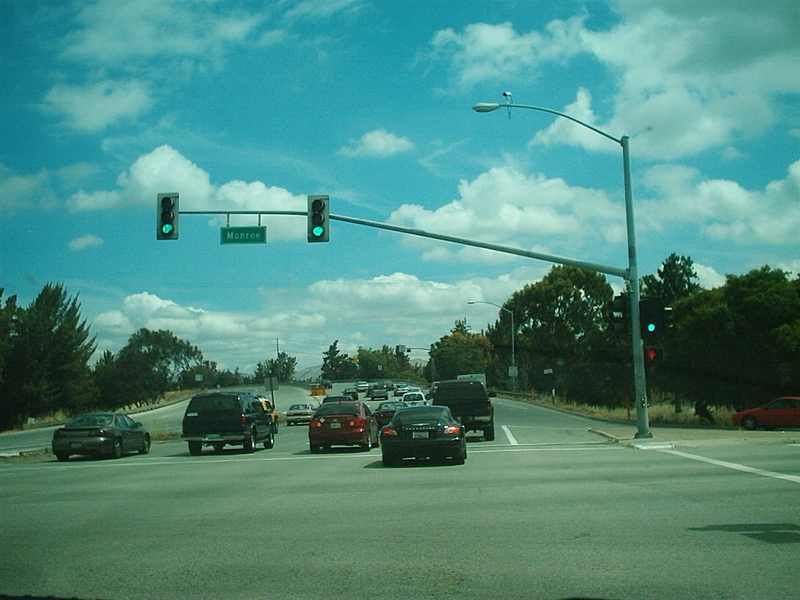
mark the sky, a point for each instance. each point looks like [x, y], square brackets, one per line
[247, 105]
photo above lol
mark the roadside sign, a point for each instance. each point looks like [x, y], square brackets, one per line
[243, 235]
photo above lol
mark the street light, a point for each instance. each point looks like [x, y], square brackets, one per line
[513, 368]
[632, 272]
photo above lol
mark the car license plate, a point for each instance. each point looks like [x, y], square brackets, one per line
[336, 425]
[75, 445]
[419, 435]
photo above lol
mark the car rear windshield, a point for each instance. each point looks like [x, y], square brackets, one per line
[338, 408]
[214, 403]
[466, 390]
[90, 420]
[423, 413]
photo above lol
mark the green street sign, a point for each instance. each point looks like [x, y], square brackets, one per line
[243, 235]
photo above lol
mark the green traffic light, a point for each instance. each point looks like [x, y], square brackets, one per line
[651, 327]
[167, 228]
[318, 231]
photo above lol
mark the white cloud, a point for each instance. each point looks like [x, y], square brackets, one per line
[92, 107]
[113, 32]
[505, 206]
[85, 241]
[707, 277]
[167, 170]
[21, 192]
[723, 210]
[484, 52]
[690, 75]
[378, 143]
[354, 311]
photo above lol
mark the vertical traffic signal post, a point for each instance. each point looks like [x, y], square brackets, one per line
[167, 216]
[319, 219]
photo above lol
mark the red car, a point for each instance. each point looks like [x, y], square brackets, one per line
[781, 412]
[342, 424]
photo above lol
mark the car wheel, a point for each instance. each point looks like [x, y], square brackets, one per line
[195, 448]
[270, 441]
[250, 443]
[488, 433]
[749, 422]
[62, 456]
[315, 448]
[389, 460]
[116, 449]
[145, 445]
[459, 459]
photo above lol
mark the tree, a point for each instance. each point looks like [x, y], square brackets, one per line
[748, 351]
[562, 341]
[283, 368]
[676, 279]
[47, 364]
[151, 363]
[337, 366]
[459, 352]
[8, 315]
[384, 363]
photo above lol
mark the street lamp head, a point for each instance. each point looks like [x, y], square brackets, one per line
[484, 107]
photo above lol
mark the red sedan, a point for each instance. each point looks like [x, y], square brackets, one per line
[781, 412]
[342, 424]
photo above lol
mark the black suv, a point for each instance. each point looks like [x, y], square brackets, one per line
[220, 418]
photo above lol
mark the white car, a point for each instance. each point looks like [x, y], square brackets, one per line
[362, 386]
[300, 413]
[415, 399]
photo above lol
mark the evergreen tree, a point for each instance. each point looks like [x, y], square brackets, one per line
[47, 366]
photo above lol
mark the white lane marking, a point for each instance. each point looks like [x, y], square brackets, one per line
[511, 439]
[735, 466]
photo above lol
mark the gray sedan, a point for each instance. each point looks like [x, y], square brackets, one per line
[100, 434]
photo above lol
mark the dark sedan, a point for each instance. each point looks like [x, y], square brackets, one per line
[386, 410]
[423, 432]
[100, 434]
[781, 412]
[342, 424]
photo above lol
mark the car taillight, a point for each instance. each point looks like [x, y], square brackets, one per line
[389, 431]
[451, 430]
[315, 423]
[244, 420]
[357, 422]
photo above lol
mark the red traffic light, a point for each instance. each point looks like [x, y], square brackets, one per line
[653, 354]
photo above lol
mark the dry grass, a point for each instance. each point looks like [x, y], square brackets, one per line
[659, 413]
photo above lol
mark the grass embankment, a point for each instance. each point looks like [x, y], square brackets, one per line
[659, 413]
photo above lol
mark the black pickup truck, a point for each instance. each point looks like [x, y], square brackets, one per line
[468, 402]
[220, 418]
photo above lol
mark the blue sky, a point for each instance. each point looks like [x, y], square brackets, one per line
[246, 105]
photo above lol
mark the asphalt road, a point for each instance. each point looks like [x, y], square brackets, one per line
[548, 510]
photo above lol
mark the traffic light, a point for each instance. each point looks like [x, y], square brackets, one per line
[167, 216]
[618, 312]
[318, 219]
[651, 317]
[653, 354]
